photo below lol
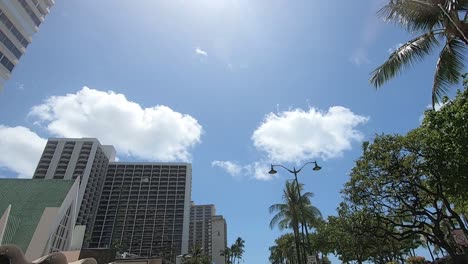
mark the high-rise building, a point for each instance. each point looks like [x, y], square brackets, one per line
[144, 209]
[219, 239]
[208, 231]
[19, 20]
[69, 158]
[201, 227]
[38, 215]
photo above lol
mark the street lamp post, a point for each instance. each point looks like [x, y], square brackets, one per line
[295, 172]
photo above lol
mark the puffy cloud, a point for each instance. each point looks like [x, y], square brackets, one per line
[155, 133]
[21, 149]
[359, 57]
[230, 167]
[298, 135]
[201, 52]
[257, 170]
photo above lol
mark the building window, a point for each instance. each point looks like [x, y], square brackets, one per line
[9, 25]
[30, 12]
[6, 62]
[39, 7]
[10, 46]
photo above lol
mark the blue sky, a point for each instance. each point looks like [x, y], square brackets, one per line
[229, 85]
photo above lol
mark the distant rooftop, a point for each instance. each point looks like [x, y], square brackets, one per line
[28, 199]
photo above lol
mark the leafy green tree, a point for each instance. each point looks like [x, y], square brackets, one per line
[406, 181]
[320, 239]
[357, 236]
[434, 21]
[445, 137]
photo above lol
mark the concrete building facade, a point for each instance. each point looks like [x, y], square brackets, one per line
[201, 227]
[144, 209]
[70, 158]
[219, 239]
[208, 231]
[19, 20]
[38, 215]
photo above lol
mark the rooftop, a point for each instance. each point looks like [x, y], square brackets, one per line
[28, 199]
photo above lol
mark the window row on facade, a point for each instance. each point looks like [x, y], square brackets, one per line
[9, 25]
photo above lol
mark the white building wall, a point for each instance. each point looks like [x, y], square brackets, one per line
[22, 21]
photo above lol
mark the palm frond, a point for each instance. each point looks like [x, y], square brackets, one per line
[315, 212]
[279, 217]
[449, 68]
[409, 53]
[413, 15]
[285, 223]
[277, 208]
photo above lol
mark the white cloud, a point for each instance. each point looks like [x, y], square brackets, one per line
[359, 57]
[201, 52]
[230, 167]
[20, 150]
[155, 133]
[298, 135]
[295, 136]
[257, 170]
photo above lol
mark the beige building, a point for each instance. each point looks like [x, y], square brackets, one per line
[19, 20]
[38, 215]
[201, 227]
[208, 231]
[219, 239]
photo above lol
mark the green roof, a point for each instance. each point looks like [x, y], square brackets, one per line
[28, 199]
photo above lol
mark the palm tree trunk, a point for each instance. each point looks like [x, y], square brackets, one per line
[298, 244]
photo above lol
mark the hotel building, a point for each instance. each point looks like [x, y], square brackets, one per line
[19, 20]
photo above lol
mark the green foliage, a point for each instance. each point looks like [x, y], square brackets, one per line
[320, 239]
[358, 236]
[416, 260]
[413, 185]
[235, 252]
[296, 212]
[434, 20]
[196, 256]
[284, 250]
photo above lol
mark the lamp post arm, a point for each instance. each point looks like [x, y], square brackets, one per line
[279, 165]
[310, 162]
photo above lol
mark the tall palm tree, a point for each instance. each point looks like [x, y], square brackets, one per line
[196, 256]
[227, 253]
[293, 211]
[237, 250]
[436, 22]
